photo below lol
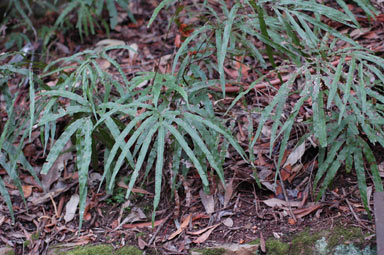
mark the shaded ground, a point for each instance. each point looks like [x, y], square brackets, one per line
[242, 212]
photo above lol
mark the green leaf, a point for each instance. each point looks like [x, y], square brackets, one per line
[319, 121]
[4, 132]
[66, 94]
[329, 159]
[59, 144]
[50, 117]
[222, 48]
[196, 138]
[32, 102]
[147, 123]
[331, 172]
[84, 153]
[184, 46]
[348, 12]
[187, 149]
[373, 165]
[218, 129]
[359, 167]
[9, 148]
[112, 13]
[162, 4]
[140, 160]
[71, 6]
[335, 82]
[4, 193]
[347, 88]
[159, 169]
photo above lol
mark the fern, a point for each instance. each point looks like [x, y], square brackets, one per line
[169, 115]
[343, 97]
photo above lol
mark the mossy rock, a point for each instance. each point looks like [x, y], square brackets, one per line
[276, 247]
[340, 235]
[227, 249]
[101, 249]
[323, 242]
[209, 251]
[304, 243]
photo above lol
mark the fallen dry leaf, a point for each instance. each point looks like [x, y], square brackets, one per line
[144, 224]
[142, 244]
[295, 155]
[208, 202]
[55, 172]
[27, 190]
[228, 222]
[262, 242]
[71, 207]
[291, 221]
[275, 202]
[183, 226]
[135, 190]
[299, 213]
[228, 192]
[205, 236]
[201, 231]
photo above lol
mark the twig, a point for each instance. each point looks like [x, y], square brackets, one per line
[354, 214]
[159, 228]
[286, 198]
[285, 193]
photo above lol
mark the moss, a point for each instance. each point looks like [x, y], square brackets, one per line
[129, 250]
[211, 251]
[303, 243]
[140, 234]
[254, 242]
[342, 235]
[7, 251]
[276, 247]
[104, 250]
[35, 235]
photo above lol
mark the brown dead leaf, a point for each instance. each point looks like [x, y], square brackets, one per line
[103, 64]
[262, 242]
[55, 172]
[275, 202]
[178, 41]
[208, 202]
[142, 244]
[228, 192]
[300, 213]
[135, 190]
[144, 224]
[205, 236]
[87, 216]
[291, 221]
[71, 207]
[228, 222]
[183, 226]
[27, 190]
[201, 231]
[295, 155]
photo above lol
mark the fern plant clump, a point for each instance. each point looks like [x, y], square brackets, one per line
[165, 125]
[163, 117]
[340, 81]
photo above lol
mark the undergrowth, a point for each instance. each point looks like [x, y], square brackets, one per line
[156, 122]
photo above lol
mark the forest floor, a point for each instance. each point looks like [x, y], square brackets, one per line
[239, 214]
